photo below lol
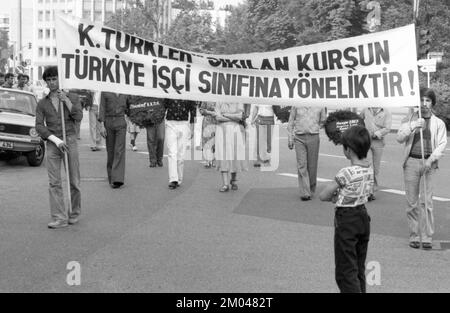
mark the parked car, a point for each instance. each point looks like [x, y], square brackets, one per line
[17, 120]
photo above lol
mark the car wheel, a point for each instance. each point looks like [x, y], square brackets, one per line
[36, 157]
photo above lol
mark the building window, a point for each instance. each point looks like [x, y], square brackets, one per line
[40, 33]
[108, 9]
[54, 33]
[98, 8]
[47, 33]
[40, 16]
[87, 6]
[41, 52]
[47, 50]
[54, 52]
[48, 16]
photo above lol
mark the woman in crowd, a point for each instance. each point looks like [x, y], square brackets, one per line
[207, 109]
[230, 143]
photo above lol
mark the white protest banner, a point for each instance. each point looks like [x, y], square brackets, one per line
[378, 69]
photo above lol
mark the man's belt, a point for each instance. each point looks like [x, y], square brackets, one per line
[415, 156]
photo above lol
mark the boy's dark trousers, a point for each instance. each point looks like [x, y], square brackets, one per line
[351, 239]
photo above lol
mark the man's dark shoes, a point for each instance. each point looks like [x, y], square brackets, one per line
[414, 244]
[427, 245]
[173, 185]
[160, 163]
[305, 198]
[116, 185]
[371, 198]
[152, 164]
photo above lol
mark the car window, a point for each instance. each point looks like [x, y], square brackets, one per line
[17, 102]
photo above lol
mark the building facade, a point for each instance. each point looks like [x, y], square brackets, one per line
[44, 33]
[39, 24]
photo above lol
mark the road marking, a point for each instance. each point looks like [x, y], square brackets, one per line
[146, 152]
[322, 180]
[333, 156]
[339, 156]
[394, 191]
[400, 192]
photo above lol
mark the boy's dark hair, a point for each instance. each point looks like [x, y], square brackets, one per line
[357, 138]
[50, 71]
[429, 93]
[2, 74]
[8, 75]
[20, 76]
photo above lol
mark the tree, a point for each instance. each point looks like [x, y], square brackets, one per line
[142, 18]
[236, 36]
[4, 49]
[192, 30]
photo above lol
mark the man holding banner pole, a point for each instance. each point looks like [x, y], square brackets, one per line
[425, 139]
[56, 115]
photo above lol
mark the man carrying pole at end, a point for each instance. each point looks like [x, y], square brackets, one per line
[421, 157]
[52, 128]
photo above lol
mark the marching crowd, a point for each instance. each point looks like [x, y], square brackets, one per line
[171, 122]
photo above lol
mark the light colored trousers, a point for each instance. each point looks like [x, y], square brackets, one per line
[94, 126]
[307, 152]
[264, 142]
[415, 206]
[177, 136]
[54, 159]
[377, 148]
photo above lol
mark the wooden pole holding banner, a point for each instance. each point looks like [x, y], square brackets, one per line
[415, 17]
[66, 158]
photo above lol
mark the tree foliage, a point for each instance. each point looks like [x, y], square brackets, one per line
[4, 49]
[142, 18]
[192, 30]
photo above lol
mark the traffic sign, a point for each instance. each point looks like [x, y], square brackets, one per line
[436, 55]
[427, 65]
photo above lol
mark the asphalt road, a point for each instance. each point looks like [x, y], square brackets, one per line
[261, 238]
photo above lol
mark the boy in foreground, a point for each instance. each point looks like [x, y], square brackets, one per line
[350, 191]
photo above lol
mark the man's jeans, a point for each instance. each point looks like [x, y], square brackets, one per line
[307, 152]
[116, 132]
[351, 239]
[54, 159]
[415, 206]
[155, 142]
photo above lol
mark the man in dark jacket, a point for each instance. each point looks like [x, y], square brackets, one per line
[149, 112]
[49, 127]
